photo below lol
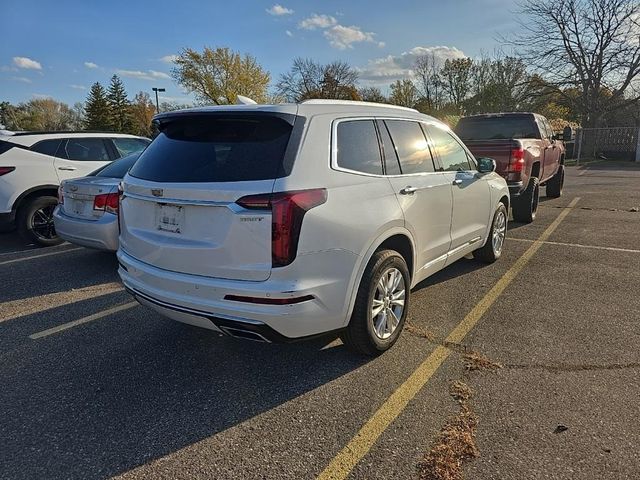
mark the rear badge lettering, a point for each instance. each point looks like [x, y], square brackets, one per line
[251, 219]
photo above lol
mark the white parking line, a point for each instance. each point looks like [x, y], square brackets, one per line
[15, 260]
[27, 306]
[80, 321]
[578, 245]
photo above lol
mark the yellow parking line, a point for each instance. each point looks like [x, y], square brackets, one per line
[80, 321]
[27, 306]
[15, 260]
[342, 464]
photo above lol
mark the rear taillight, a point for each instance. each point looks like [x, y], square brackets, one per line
[5, 170]
[60, 195]
[107, 202]
[516, 164]
[287, 212]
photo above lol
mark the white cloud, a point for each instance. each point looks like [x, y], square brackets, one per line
[317, 21]
[278, 10]
[22, 79]
[78, 87]
[143, 75]
[289, 34]
[385, 70]
[24, 62]
[381, 44]
[169, 58]
[90, 65]
[342, 37]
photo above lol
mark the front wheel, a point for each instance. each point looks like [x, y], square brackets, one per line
[492, 249]
[381, 305]
[35, 221]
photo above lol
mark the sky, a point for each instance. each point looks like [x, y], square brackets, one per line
[59, 48]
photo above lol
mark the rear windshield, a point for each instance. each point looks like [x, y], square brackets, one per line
[493, 128]
[117, 168]
[216, 149]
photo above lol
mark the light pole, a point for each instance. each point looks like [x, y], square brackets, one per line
[157, 104]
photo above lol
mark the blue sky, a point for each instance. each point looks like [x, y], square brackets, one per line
[60, 48]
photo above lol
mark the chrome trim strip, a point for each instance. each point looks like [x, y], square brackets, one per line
[451, 252]
[175, 201]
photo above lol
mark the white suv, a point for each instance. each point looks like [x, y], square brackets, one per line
[32, 165]
[282, 222]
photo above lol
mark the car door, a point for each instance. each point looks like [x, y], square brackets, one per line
[79, 156]
[471, 194]
[424, 194]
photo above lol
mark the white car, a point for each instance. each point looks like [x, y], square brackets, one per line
[281, 222]
[32, 165]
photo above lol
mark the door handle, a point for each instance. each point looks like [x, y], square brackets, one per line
[69, 169]
[408, 190]
[457, 181]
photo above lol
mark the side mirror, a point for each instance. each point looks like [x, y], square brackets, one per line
[486, 165]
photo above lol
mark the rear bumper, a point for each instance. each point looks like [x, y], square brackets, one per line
[101, 234]
[200, 301]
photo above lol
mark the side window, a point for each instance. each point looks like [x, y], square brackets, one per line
[85, 149]
[127, 146]
[47, 147]
[411, 146]
[391, 162]
[452, 156]
[358, 147]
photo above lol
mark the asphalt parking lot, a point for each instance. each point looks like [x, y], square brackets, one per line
[94, 386]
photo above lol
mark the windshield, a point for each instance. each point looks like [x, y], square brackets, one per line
[494, 128]
[117, 168]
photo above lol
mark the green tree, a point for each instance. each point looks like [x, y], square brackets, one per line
[119, 106]
[218, 76]
[403, 93]
[372, 94]
[142, 110]
[97, 112]
[456, 79]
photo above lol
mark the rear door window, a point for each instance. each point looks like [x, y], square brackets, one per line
[391, 162]
[84, 149]
[451, 154]
[127, 146]
[411, 146]
[358, 147]
[215, 149]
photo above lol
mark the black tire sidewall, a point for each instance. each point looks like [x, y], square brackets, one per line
[25, 214]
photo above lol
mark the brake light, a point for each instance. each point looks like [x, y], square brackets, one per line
[287, 212]
[107, 202]
[516, 164]
[60, 195]
[5, 170]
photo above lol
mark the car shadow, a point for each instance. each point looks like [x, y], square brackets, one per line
[456, 269]
[106, 406]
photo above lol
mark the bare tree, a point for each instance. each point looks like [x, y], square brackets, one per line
[310, 79]
[372, 94]
[428, 81]
[590, 45]
[456, 78]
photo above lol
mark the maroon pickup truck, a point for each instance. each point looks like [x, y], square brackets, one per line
[526, 151]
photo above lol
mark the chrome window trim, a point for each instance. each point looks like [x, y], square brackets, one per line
[334, 145]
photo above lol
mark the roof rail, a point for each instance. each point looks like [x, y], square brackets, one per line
[46, 132]
[324, 101]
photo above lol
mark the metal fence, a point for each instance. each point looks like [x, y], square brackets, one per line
[612, 143]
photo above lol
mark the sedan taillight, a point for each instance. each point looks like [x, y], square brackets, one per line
[106, 202]
[5, 170]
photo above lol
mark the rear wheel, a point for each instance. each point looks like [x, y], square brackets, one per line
[35, 221]
[555, 184]
[381, 305]
[525, 206]
[492, 248]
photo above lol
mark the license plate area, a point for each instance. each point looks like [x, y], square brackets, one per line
[169, 218]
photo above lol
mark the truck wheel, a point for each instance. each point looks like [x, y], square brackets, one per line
[381, 305]
[525, 206]
[492, 248]
[555, 184]
[35, 221]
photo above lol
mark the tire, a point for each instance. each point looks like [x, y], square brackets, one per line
[556, 183]
[525, 206]
[370, 334]
[492, 248]
[35, 221]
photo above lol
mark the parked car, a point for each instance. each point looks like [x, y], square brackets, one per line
[527, 153]
[87, 211]
[32, 165]
[281, 222]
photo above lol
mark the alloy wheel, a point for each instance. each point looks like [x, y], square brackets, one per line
[388, 303]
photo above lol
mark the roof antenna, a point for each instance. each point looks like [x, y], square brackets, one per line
[242, 100]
